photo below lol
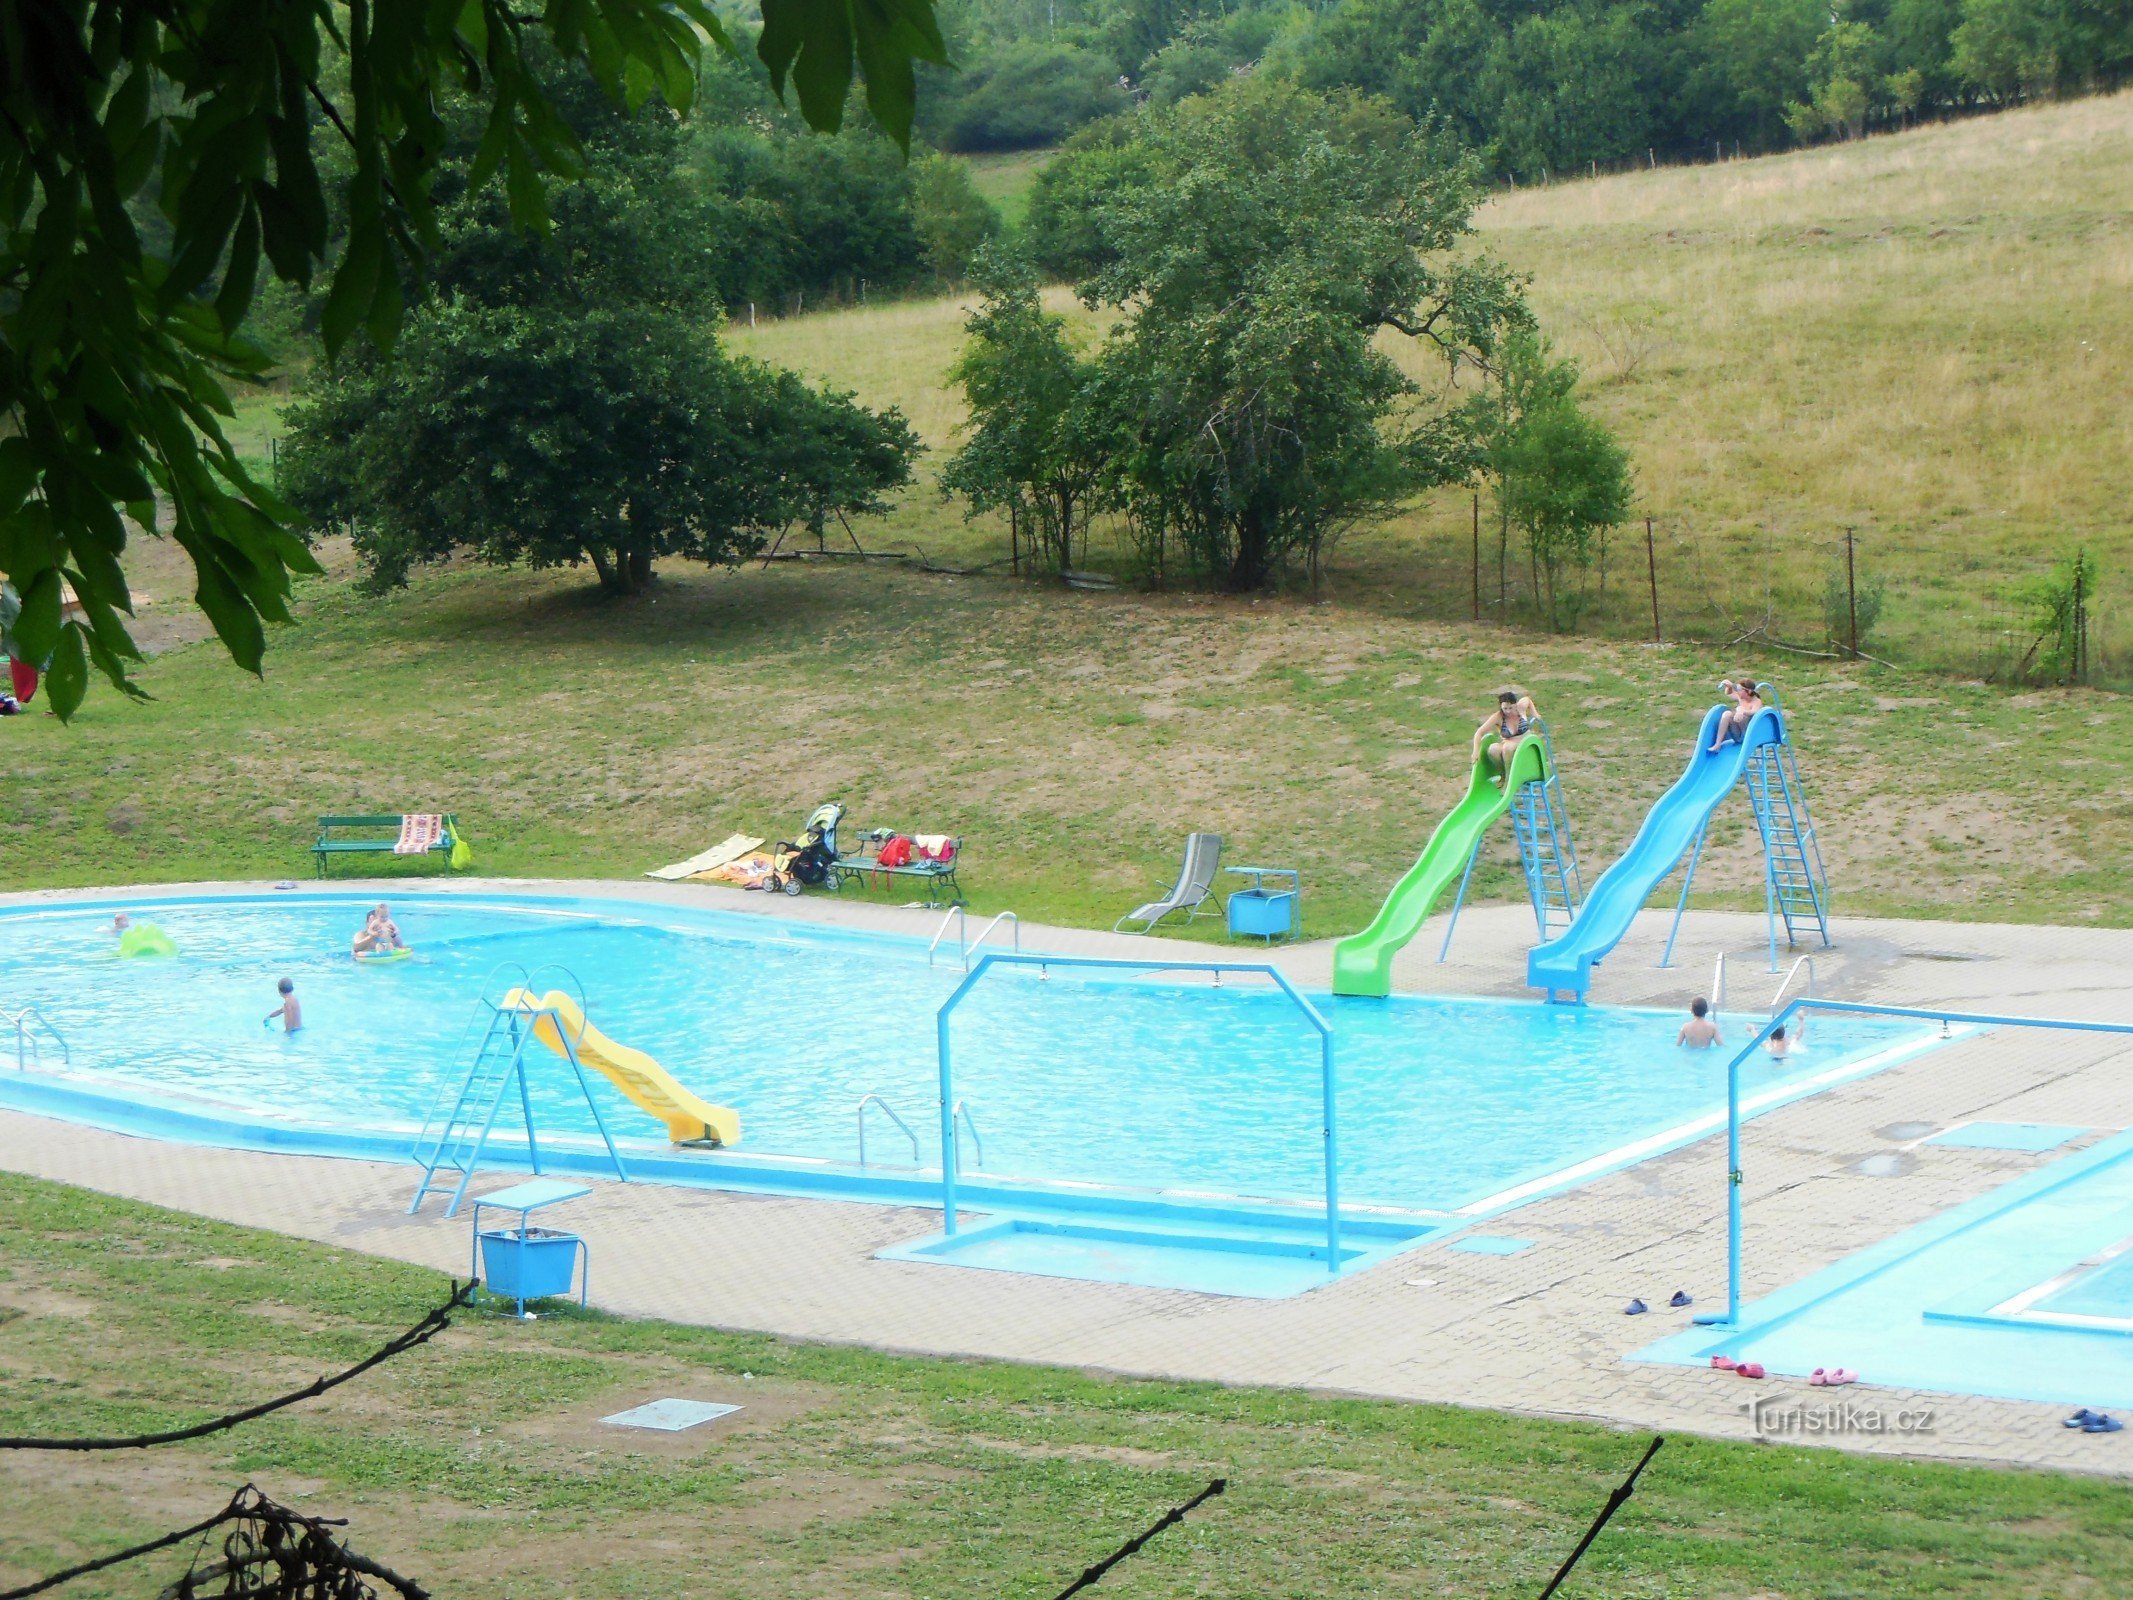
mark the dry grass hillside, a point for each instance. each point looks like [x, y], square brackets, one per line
[1923, 337]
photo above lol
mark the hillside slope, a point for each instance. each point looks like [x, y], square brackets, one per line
[1923, 337]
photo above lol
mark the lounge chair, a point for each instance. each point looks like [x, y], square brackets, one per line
[1195, 885]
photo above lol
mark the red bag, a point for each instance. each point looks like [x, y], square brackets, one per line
[25, 679]
[896, 852]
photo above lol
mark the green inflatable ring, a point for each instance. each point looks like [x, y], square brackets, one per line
[379, 958]
[146, 939]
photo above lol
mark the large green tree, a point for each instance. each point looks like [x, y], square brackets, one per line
[116, 339]
[560, 398]
[1276, 236]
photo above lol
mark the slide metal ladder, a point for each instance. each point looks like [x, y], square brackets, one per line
[463, 1117]
[1796, 888]
[1540, 821]
[1540, 818]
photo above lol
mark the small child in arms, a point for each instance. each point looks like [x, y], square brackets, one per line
[1699, 1032]
[291, 1014]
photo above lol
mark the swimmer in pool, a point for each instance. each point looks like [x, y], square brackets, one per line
[291, 1014]
[380, 933]
[1780, 1046]
[1699, 1032]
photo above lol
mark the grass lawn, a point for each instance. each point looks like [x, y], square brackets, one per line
[1004, 179]
[1072, 738]
[477, 1465]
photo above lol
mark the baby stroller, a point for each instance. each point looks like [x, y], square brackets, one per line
[807, 862]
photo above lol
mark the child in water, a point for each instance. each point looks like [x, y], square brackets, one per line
[1699, 1032]
[291, 1014]
[380, 933]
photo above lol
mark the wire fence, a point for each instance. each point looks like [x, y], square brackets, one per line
[2042, 618]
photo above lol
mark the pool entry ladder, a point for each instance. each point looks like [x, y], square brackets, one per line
[1540, 821]
[454, 1141]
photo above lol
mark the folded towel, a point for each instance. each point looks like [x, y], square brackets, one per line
[419, 833]
[931, 844]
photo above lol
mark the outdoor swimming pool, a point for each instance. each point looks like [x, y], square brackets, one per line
[1130, 1082]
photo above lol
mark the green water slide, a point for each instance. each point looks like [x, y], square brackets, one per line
[1362, 963]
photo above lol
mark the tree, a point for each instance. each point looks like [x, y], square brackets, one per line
[613, 437]
[1280, 233]
[2007, 48]
[1561, 478]
[1062, 223]
[953, 220]
[116, 339]
[1033, 446]
[560, 399]
[1844, 71]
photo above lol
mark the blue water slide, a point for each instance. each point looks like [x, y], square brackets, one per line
[1665, 837]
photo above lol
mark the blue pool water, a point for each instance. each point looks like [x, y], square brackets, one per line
[1126, 1082]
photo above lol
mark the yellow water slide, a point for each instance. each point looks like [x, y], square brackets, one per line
[648, 1085]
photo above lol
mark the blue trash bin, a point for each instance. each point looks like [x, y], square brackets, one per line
[1262, 913]
[529, 1263]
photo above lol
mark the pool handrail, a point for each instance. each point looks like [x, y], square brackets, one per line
[1718, 983]
[963, 943]
[964, 1119]
[1730, 1317]
[20, 1021]
[960, 922]
[889, 1111]
[1807, 961]
[989, 959]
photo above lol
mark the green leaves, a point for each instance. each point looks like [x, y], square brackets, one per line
[155, 155]
[811, 44]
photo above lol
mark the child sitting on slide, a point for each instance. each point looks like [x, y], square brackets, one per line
[1733, 726]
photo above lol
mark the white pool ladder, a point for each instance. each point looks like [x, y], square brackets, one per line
[888, 1111]
[26, 1022]
[964, 947]
[1792, 972]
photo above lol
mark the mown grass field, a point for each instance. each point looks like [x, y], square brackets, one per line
[1920, 337]
[1071, 738]
[477, 1464]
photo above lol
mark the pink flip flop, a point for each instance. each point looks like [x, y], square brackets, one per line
[1724, 1363]
[1820, 1378]
[1750, 1369]
[1842, 1375]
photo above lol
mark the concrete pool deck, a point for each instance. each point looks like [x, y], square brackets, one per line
[1539, 1332]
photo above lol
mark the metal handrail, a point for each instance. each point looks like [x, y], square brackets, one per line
[1793, 972]
[986, 933]
[963, 943]
[961, 923]
[20, 1022]
[1718, 983]
[961, 1119]
[888, 1111]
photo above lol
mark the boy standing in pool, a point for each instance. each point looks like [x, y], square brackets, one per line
[291, 1014]
[1699, 1032]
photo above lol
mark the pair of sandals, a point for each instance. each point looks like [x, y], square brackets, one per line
[1832, 1377]
[1740, 1369]
[1637, 1308]
[2093, 1422]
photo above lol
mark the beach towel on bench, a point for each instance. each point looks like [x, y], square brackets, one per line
[419, 833]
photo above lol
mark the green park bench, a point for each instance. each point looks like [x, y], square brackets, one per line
[374, 835]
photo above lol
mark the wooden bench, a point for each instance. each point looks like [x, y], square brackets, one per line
[936, 875]
[375, 842]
